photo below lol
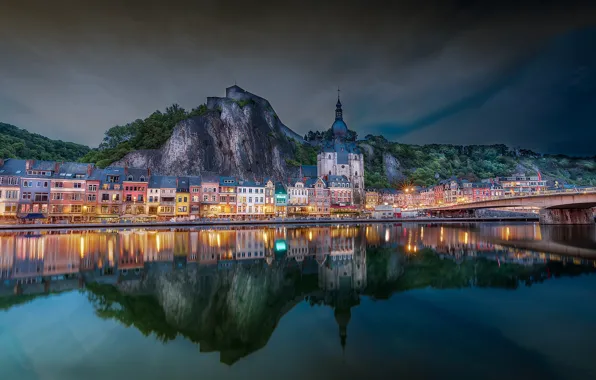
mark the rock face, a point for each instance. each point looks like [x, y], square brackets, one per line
[392, 168]
[239, 135]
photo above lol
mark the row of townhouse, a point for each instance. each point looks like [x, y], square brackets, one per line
[447, 192]
[57, 191]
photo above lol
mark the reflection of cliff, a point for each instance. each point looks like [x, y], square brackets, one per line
[233, 311]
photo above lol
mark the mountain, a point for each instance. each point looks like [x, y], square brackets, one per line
[19, 143]
[239, 134]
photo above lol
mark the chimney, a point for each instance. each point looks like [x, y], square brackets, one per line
[89, 170]
[29, 164]
[126, 169]
[56, 167]
[148, 172]
[1, 161]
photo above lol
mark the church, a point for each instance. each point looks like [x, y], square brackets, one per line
[341, 157]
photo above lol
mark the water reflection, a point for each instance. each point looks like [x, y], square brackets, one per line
[227, 289]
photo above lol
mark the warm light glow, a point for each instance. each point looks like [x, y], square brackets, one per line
[158, 243]
[387, 235]
[82, 245]
[466, 238]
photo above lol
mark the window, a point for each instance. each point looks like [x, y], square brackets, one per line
[140, 198]
[142, 179]
[129, 178]
[57, 196]
[205, 198]
[26, 195]
[128, 198]
[185, 199]
[78, 185]
[75, 208]
[58, 184]
[91, 197]
[76, 197]
[92, 187]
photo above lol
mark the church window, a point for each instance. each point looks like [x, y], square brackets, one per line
[343, 166]
[329, 156]
[356, 174]
[329, 172]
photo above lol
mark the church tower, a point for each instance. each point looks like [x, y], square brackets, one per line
[340, 157]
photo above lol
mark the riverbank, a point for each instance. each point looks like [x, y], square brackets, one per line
[202, 223]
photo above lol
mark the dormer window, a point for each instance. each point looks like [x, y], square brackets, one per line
[142, 179]
[129, 178]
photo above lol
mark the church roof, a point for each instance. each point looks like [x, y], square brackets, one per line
[309, 170]
[339, 127]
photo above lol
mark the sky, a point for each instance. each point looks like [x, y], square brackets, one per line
[521, 73]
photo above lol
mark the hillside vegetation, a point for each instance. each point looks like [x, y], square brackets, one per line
[149, 133]
[19, 143]
[426, 165]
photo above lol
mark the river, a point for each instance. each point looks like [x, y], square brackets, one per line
[376, 301]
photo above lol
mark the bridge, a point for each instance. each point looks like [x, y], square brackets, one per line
[556, 207]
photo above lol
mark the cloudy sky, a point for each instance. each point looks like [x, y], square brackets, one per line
[462, 72]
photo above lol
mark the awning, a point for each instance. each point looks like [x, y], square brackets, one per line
[34, 216]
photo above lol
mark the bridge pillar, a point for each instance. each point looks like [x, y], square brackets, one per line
[566, 216]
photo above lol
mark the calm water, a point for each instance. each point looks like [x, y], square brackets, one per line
[491, 301]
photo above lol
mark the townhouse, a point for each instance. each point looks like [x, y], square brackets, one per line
[182, 197]
[35, 190]
[227, 196]
[134, 191]
[209, 196]
[11, 171]
[67, 191]
[194, 184]
[340, 190]
[281, 200]
[319, 198]
[297, 198]
[250, 199]
[109, 195]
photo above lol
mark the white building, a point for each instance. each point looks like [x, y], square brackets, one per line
[341, 157]
[297, 197]
[250, 198]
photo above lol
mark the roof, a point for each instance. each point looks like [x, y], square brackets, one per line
[136, 174]
[194, 181]
[342, 148]
[228, 181]
[182, 183]
[309, 170]
[13, 166]
[43, 165]
[337, 179]
[162, 182]
[311, 182]
[111, 171]
[69, 169]
[244, 183]
[280, 188]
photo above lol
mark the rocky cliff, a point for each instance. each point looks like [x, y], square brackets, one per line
[240, 135]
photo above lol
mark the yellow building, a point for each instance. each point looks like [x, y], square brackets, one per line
[182, 197]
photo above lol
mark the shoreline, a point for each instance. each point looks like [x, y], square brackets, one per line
[189, 224]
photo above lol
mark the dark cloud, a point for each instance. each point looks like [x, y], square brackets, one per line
[422, 72]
